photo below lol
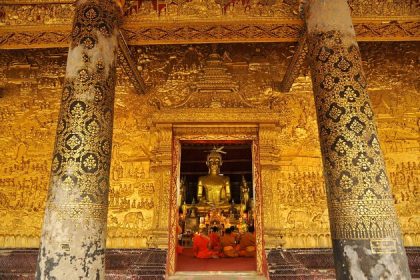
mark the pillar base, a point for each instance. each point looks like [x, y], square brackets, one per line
[370, 259]
[158, 239]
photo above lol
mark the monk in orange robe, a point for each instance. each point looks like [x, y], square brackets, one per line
[247, 243]
[215, 240]
[228, 244]
[201, 246]
[234, 233]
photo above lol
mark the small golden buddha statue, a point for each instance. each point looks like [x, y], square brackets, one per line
[244, 192]
[216, 186]
[184, 208]
[182, 192]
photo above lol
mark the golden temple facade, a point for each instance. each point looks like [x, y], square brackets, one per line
[32, 84]
[201, 90]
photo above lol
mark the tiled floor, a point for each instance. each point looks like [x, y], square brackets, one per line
[188, 263]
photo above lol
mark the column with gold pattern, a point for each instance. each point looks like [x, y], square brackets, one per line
[74, 229]
[365, 232]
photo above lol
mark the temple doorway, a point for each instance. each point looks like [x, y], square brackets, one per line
[215, 208]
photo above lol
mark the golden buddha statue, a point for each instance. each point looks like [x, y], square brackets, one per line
[216, 187]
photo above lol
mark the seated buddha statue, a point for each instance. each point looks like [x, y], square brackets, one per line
[214, 188]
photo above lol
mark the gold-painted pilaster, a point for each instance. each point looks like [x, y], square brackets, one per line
[161, 170]
[262, 266]
[74, 229]
[366, 236]
[269, 160]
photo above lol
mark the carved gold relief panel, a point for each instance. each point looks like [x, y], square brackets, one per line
[182, 82]
[46, 24]
[61, 12]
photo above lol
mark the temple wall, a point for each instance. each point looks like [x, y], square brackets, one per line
[294, 200]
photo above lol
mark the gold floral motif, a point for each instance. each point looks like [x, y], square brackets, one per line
[77, 204]
[360, 206]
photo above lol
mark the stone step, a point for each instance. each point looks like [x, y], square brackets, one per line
[284, 265]
[217, 275]
[293, 277]
[289, 271]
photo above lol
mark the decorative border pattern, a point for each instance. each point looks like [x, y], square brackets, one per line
[208, 32]
[173, 207]
[259, 225]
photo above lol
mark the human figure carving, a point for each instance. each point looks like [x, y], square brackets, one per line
[216, 187]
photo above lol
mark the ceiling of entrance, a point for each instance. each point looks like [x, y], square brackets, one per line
[236, 161]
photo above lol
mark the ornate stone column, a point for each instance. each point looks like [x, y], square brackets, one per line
[74, 229]
[364, 227]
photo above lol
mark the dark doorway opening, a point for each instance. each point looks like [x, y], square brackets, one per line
[238, 166]
[237, 162]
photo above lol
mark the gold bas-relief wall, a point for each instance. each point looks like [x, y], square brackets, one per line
[294, 200]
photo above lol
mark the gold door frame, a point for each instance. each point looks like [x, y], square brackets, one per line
[215, 133]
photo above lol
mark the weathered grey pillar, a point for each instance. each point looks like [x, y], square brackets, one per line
[366, 236]
[74, 229]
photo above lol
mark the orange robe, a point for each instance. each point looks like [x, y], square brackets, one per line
[247, 245]
[215, 242]
[235, 236]
[228, 244]
[200, 247]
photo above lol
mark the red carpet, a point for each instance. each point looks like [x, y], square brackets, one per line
[187, 262]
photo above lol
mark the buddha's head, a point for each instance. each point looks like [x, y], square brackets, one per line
[214, 161]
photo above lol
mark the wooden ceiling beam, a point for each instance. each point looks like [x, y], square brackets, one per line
[130, 68]
[295, 66]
